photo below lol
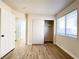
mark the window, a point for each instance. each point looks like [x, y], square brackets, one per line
[71, 24]
[67, 24]
[61, 25]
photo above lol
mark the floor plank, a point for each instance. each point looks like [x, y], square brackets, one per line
[46, 51]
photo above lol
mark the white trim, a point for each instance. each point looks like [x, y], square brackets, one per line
[68, 52]
[29, 43]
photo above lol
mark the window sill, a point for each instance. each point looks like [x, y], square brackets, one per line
[69, 36]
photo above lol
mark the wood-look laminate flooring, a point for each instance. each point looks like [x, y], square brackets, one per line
[46, 51]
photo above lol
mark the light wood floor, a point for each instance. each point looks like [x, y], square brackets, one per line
[47, 51]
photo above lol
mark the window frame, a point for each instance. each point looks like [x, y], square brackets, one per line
[68, 35]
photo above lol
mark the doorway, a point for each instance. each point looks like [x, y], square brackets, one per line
[49, 31]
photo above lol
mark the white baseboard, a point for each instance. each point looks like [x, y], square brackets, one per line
[1, 56]
[73, 56]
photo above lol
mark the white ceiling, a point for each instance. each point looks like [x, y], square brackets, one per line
[43, 7]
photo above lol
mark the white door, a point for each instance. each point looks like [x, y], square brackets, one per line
[7, 32]
[38, 31]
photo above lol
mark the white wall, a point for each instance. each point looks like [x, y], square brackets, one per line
[33, 36]
[70, 45]
[21, 28]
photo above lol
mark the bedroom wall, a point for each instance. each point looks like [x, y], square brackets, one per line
[69, 44]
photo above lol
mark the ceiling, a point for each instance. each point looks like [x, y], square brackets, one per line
[43, 7]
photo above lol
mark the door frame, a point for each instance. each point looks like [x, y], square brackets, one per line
[53, 31]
